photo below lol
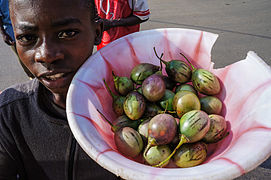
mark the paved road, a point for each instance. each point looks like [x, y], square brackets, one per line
[242, 25]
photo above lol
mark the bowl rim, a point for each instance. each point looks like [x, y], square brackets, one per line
[118, 166]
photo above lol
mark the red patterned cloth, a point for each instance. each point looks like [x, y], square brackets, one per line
[116, 9]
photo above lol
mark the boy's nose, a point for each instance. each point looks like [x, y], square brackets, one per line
[47, 53]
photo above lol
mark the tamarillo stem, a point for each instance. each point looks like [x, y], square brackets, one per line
[183, 140]
[193, 67]
[115, 78]
[160, 58]
[151, 143]
[166, 107]
[169, 112]
[114, 75]
[109, 90]
[138, 77]
[161, 64]
[114, 128]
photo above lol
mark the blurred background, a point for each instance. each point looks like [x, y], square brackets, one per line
[242, 26]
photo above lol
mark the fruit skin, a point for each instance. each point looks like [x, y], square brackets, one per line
[166, 101]
[151, 110]
[153, 88]
[124, 121]
[134, 105]
[211, 104]
[139, 90]
[218, 128]
[170, 84]
[157, 154]
[128, 141]
[186, 87]
[117, 105]
[205, 82]
[178, 70]
[143, 70]
[194, 125]
[143, 129]
[123, 85]
[162, 128]
[189, 155]
[185, 101]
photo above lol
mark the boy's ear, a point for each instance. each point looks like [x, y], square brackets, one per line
[99, 31]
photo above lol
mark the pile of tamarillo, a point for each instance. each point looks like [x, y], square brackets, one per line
[167, 117]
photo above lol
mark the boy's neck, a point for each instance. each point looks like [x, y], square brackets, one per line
[58, 100]
[48, 105]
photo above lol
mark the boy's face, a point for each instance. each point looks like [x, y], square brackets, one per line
[53, 39]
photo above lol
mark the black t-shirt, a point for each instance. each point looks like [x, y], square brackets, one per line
[36, 142]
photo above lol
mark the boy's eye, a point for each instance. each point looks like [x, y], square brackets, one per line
[67, 34]
[26, 39]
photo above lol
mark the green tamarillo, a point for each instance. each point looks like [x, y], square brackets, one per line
[204, 81]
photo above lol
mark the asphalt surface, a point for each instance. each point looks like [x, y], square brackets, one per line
[242, 25]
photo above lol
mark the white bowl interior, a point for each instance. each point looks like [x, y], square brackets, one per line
[246, 94]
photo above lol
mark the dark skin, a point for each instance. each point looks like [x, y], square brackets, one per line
[129, 21]
[53, 39]
[5, 36]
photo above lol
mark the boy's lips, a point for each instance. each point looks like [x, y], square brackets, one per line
[54, 76]
[56, 80]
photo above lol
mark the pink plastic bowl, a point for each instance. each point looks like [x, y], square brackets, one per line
[246, 94]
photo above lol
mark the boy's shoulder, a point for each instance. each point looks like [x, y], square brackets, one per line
[18, 92]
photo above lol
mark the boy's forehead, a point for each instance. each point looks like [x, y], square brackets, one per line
[17, 4]
[45, 13]
[48, 8]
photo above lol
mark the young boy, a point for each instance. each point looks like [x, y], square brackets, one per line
[121, 17]
[7, 31]
[53, 39]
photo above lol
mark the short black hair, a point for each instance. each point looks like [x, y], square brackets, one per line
[90, 4]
